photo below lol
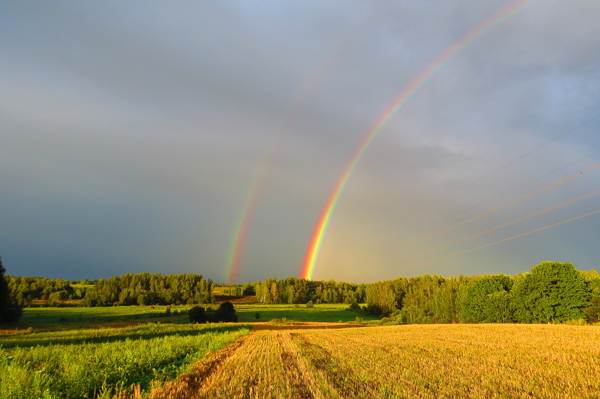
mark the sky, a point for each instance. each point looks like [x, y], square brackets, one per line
[133, 133]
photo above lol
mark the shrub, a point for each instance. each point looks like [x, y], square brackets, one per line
[225, 313]
[310, 304]
[374, 309]
[12, 313]
[248, 289]
[355, 307]
[577, 322]
[257, 315]
[198, 314]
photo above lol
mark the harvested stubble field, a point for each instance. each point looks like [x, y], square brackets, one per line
[481, 361]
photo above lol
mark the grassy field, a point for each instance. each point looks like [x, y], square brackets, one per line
[293, 351]
[98, 362]
[77, 352]
[318, 313]
[430, 361]
[40, 319]
[81, 317]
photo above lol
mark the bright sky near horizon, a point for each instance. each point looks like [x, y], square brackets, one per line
[132, 135]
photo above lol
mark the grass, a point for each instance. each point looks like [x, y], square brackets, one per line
[428, 361]
[91, 363]
[52, 318]
[55, 358]
[318, 313]
[79, 352]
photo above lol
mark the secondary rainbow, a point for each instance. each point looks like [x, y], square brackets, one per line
[238, 242]
[410, 88]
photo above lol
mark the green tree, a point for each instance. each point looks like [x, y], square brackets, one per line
[226, 313]
[552, 291]
[592, 313]
[55, 299]
[142, 300]
[487, 301]
[10, 311]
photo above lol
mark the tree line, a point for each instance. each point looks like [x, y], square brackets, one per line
[127, 289]
[150, 289]
[26, 290]
[294, 290]
[155, 289]
[549, 292]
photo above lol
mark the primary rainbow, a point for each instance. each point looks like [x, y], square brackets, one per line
[320, 230]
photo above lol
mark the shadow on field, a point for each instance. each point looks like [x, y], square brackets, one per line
[304, 325]
[23, 341]
[302, 315]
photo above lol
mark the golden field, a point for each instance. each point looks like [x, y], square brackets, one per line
[479, 361]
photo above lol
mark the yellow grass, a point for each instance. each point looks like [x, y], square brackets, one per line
[480, 361]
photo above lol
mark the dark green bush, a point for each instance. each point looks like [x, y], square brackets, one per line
[198, 314]
[225, 313]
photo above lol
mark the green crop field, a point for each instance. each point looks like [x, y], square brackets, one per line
[40, 319]
[161, 355]
[74, 317]
[83, 363]
[76, 352]
[318, 313]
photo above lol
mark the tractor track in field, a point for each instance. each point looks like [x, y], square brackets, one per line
[245, 369]
[272, 361]
[188, 384]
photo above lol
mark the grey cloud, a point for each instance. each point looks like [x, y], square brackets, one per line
[130, 134]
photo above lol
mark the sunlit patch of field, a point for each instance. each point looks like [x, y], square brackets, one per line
[56, 318]
[480, 361]
[93, 363]
[265, 364]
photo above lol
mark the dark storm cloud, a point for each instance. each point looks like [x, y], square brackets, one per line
[130, 133]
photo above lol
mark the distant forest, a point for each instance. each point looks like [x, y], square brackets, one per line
[549, 292]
